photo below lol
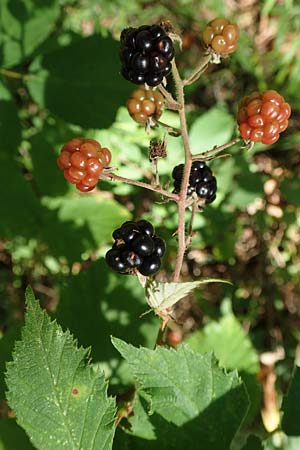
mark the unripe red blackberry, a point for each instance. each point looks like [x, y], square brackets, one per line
[263, 116]
[82, 161]
[221, 36]
[146, 54]
[136, 248]
[145, 103]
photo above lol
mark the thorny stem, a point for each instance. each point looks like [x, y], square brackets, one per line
[158, 189]
[202, 66]
[186, 174]
[209, 153]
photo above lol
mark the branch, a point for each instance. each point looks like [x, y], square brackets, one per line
[157, 189]
[16, 75]
[209, 153]
[186, 174]
[171, 130]
[197, 72]
[170, 99]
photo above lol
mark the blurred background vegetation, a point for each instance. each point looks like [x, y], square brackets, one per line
[59, 78]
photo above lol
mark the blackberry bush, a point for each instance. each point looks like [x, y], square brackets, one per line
[195, 399]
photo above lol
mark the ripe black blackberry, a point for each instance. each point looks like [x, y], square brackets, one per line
[136, 248]
[146, 54]
[201, 181]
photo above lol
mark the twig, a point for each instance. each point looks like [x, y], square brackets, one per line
[209, 153]
[154, 164]
[190, 229]
[157, 189]
[16, 75]
[197, 72]
[172, 130]
[170, 99]
[161, 331]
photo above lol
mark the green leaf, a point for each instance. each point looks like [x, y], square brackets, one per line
[10, 129]
[291, 406]
[19, 208]
[214, 127]
[58, 398]
[24, 26]
[140, 424]
[48, 178]
[253, 443]
[161, 296]
[234, 350]
[6, 347]
[229, 342]
[197, 401]
[110, 304]
[290, 190]
[13, 437]
[99, 215]
[81, 82]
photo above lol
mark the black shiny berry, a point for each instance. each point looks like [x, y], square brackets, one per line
[136, 78]
[146, 53]
[157, 31]
[136, 247]
[140, 63]
[153, 79]
[160, 246]
[113, 259]
[143, 245]
[116, 234]
[129, 234]
[131, 259]
[178, 171]
[150, 265]
[201, 181]
[144, 41]
[157, 62]
[165, 46]
[146, 227]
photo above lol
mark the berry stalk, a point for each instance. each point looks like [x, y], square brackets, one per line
[157, 189]
[197, 72]
[218, 149]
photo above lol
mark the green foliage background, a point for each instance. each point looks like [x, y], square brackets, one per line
[59, 78]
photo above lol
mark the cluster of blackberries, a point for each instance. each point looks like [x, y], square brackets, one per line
[146, 53]
[136, 248]
[201, 181]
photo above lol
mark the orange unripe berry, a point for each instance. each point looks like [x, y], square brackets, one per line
[263, 116]
[145, 103]
[82, 161]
